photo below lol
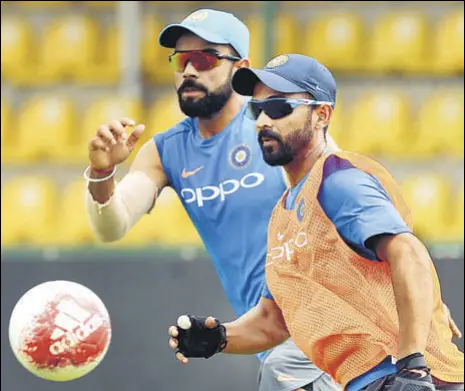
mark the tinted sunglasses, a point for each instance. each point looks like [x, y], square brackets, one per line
[202, 60]
[277, 108]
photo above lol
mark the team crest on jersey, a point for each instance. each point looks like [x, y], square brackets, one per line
[197, 16]
[240, 156]
[301, 210]
[277, 61]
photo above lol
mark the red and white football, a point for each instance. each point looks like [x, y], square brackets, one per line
[60, 330]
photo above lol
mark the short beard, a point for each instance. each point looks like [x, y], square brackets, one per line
[207, 106]
[287, 149]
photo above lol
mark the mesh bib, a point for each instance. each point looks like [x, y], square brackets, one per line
[339, 307]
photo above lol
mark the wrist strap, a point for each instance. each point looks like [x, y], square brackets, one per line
[412, 361]
[94, 180]
[224, 343]
[102, 170]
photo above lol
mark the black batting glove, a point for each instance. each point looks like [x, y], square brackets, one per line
[200, 340]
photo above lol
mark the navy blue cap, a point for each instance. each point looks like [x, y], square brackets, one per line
[289, 73]
[213, 26]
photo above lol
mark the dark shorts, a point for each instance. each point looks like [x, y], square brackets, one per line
[389, 383]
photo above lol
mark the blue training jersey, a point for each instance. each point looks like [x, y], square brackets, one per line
[229, 193]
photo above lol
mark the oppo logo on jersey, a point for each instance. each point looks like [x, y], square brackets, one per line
[288, 248]
[225, 188]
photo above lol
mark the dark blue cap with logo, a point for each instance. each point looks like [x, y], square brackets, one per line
[213, 26]
[289, 73]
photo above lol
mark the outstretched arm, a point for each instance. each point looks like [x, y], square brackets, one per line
[114, 208]
[260, 329]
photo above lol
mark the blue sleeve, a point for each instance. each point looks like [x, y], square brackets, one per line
[360, 208]
[266, 292]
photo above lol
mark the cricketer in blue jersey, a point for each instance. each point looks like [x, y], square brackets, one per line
[213, 161]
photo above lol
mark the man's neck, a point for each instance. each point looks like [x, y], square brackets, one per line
[304, 162]
[208, 127]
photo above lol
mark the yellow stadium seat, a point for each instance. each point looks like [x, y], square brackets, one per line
[69, 48]
[174, 225]
[398, 43]
[17, 50]
[176, 5]
[286, 35]
[5, 120]
[456, 216]
[7, 146]
[101, 112]
[167, 225]
[164, 113]
[100, 4]
[229, 6]
[427, 196]
[104, 69]
[155, 65]
[44, 129]
[255, 25]
[379, 123]
[40, 4]
[447, 53]
[107, 108]
[336, 40]
[28, 214]
[73, 227]
[440, 126]
[285, 39]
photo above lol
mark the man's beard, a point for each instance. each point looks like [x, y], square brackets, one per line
[207, 106]
[286, 150]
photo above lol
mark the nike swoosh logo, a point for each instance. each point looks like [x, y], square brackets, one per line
[418, 372]
[282, 379]
[186, 174]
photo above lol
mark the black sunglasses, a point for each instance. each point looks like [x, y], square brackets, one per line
[277, 108]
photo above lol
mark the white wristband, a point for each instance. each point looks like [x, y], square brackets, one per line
[89, 179]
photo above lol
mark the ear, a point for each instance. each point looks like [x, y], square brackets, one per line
[243, 63]
[325, 113]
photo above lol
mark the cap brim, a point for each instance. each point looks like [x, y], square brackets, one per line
[245, 80]
[171, 33]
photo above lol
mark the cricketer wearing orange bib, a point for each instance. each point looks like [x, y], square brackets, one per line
[347, 280]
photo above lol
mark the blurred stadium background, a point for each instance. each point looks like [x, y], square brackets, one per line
[68, 66]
